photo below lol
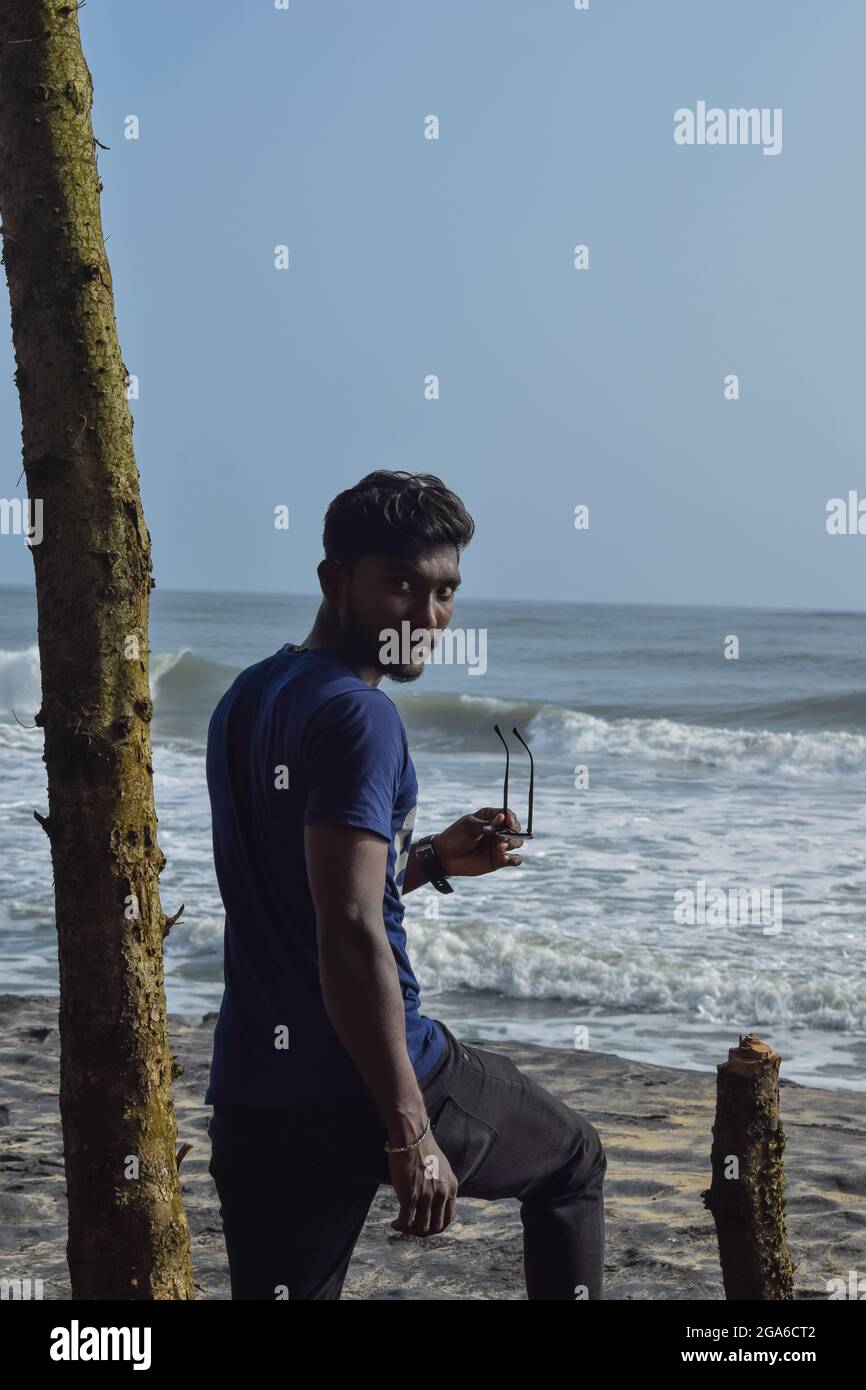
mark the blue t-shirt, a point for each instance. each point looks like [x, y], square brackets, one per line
[297, 740]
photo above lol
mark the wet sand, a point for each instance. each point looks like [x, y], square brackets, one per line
[655, 1122]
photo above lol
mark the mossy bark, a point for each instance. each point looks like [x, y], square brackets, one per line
[128, 1234]
[747, 1193]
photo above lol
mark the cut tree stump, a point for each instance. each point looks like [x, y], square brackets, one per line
[747, 1192]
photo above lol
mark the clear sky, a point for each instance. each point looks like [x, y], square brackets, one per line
[408, 257]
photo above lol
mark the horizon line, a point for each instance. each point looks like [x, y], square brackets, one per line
[485, 598]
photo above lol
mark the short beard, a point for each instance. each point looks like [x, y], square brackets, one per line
[366, 653]
[401, 674]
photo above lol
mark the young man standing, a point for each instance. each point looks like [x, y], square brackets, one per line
[327, 1080]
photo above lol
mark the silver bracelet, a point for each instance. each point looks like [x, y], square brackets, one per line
[404, 1148]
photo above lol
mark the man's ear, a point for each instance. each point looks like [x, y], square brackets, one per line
[332, 578]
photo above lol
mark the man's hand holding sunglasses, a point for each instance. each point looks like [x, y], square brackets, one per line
[466, 849]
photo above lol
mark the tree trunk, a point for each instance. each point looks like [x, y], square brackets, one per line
[747, 1194]
[128, 1233]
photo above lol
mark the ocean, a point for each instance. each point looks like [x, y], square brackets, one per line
[743, 775]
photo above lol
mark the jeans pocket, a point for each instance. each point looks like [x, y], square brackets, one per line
[464, 1138]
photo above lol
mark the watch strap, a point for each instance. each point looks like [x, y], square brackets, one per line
[431, 866]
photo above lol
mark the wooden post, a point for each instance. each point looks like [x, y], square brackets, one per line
[747, 1193]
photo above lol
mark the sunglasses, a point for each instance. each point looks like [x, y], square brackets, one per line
[497, 830]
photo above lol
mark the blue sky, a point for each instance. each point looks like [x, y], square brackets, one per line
[409, 256]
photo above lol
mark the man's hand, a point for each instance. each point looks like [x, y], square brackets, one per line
[426, 1188]
[466, 850]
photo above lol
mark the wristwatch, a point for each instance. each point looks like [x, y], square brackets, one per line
[430, 866]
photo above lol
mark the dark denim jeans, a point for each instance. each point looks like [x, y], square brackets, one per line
[295, 1191]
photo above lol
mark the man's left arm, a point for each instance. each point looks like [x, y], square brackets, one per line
[466, 850]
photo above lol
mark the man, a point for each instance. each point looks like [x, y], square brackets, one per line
[327, 1080]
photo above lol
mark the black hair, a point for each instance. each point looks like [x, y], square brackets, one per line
[393, 513]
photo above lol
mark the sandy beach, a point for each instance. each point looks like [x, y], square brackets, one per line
[655, 1122]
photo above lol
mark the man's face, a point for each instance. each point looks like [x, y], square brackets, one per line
[410, 596]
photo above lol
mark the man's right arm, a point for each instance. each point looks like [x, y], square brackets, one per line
[346, 870]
